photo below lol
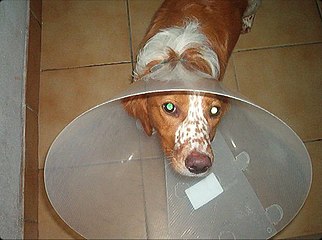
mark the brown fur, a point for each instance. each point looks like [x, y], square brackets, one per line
[220, 21]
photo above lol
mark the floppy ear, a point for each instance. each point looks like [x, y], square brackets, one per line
[138, 108]
[225, 104]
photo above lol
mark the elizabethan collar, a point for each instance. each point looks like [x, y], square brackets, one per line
[107, 179]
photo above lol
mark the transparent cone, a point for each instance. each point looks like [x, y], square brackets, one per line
[107, 179]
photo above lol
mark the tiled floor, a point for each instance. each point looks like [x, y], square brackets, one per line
[87, 55]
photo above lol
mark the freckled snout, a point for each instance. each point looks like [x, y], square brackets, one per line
[198, 163]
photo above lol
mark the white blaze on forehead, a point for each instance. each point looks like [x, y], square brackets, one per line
[194, 130]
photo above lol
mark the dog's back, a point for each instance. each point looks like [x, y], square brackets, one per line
[221, 21]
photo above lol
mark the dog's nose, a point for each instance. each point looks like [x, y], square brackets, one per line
[198, 162]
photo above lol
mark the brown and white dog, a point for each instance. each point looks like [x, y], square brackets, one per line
[188, 39]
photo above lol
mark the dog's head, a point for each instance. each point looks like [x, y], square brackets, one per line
[186, 124]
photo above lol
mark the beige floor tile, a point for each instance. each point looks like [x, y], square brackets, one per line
[78, 33]
[287, 82]
[317, 236]
[308, 221]
[65, 94]
[50, 225]
[141, 14]
[282, 23]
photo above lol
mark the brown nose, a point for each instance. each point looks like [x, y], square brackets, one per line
[198, 162]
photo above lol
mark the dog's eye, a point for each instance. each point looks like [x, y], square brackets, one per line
[169, 107]
[214, 111]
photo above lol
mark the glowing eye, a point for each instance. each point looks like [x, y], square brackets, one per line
[214, 111]
[169, 107]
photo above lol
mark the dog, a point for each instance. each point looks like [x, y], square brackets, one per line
[188, 39]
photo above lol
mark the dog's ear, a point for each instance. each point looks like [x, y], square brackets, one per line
[225, 104]
[138, 107]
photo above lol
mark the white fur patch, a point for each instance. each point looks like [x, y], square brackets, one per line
[194, 130]
[178, 39]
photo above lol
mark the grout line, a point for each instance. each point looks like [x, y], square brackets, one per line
[235, 72]
[130, 32]
[30, 221]
[277, 47]
[119, 161]
[313, 140]
[31, 109]
[319, 6]
[143, 190]
[145, 203]
[85, 66]
[37, 20]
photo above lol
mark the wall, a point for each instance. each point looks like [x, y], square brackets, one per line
[13, 19]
